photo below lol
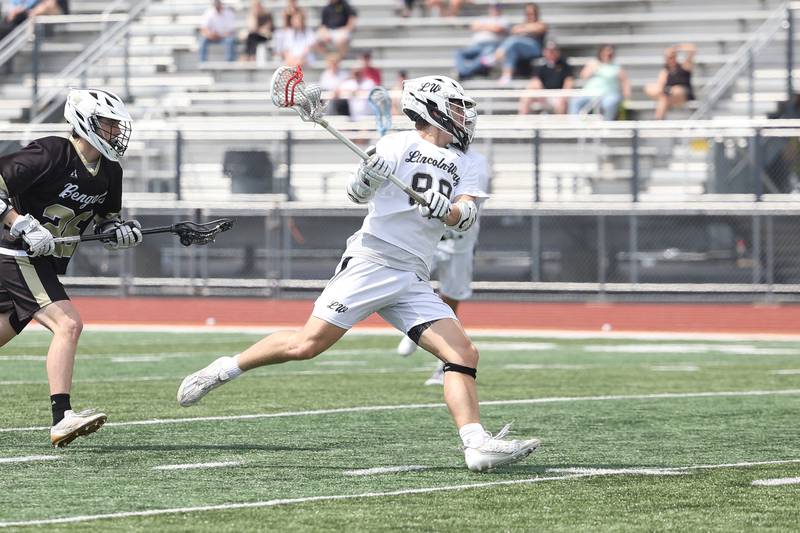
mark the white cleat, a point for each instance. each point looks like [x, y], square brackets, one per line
[406, 347]
[75, 425]
[496, 452]
[437, 378]
[195, 386]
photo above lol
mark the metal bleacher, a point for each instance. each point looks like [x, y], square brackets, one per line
[209, 103]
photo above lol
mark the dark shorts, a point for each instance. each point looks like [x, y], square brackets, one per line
[27, 284]
[687, 88]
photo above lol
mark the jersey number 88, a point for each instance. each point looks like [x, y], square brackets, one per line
[421, 182]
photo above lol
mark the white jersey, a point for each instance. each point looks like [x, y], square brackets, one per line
[394, 233]
[455, 242]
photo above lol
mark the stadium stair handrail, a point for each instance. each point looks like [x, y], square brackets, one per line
[77, 68]
[729, 73]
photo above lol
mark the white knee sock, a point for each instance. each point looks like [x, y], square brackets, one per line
[473, 435]
[231, 366]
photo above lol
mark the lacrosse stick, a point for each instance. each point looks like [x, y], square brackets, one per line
[381, 104]
[288, 90]
[188, 232]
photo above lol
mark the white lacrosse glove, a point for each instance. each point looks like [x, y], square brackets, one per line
[371, 174]
[438, 205]
[374, 170]
[126, 234]
[38, 240]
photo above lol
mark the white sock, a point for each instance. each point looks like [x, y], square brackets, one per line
[231, 366]
[473, 435]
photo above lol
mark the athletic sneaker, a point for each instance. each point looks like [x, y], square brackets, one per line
[496, 452]
[437, 378]
[75, 425]
[197, 385]
[406, 347]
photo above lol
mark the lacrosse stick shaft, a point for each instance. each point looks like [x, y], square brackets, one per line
[363, 155]
[110, 235]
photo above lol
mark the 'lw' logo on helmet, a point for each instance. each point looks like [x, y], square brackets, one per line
[430, 87]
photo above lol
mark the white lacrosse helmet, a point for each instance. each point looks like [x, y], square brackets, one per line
[440, 101]
[85, 108]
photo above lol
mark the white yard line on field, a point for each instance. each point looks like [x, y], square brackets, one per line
[112, 356]
[787, 372]
[278, 374]
[384, 470]
[545, 366]
[340, 497]
[777, 481]
[194, 466]
[732, 349]
[341, 363]
[29, 458]
[375, 408]
[675, 368]
[137, 359]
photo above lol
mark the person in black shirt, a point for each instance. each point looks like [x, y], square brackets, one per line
[260, 28]
[338, 23]
[674, 85]
[553, 73]
[55, 187]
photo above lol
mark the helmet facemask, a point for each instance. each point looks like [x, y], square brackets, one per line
[115, 133]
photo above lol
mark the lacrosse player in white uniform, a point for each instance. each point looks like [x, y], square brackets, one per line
[386, 266]
[454, 257]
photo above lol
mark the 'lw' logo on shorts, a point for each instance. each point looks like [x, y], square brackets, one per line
[339, 308]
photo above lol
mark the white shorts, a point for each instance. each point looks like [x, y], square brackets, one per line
[363, 287]
[454, 272]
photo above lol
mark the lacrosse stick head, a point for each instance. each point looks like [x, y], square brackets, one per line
[194, 233]
[288, 90]
[381, 103]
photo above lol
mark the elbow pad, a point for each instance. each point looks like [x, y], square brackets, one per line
[358, 191]
[469, 213]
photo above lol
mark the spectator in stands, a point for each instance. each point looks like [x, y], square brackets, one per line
[290, 9]
[554, 73]
[17, 12]
[49, 7]
[295, 44]
[523, 45]
[674, 85]
[605, 78]
[446, 8]
[408, 6]
[338, 21]
[356, 89]
[397, 91]
[368, 70]
[488, 33]
[331, 81]
[218, 25]
[260, 28]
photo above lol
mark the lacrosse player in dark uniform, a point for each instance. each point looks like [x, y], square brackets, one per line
[56, 187]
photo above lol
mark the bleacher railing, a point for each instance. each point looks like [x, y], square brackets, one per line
[746, 58]
[44, 104]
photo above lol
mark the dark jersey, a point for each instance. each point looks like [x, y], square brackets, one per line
[49, 181]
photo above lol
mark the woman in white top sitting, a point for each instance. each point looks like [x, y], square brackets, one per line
[295, 44]
[607, 82]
